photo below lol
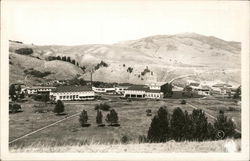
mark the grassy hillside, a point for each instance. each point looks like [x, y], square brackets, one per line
[168, 147]
[166, 56]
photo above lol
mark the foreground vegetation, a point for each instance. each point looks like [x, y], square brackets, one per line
[172, 146]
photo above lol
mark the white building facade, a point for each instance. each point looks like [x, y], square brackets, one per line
[36, 90]
[142, 91]
[72, 93]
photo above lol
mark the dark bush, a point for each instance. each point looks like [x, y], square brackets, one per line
[59, 108]
[130, 70]
[124, 139]
[14, 108]
[24, 51]
[99, 117]
[183, 102]
[36, 73]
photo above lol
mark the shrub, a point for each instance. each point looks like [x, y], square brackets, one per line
[224, 124]
[159, 128]
[14, 108]
[124, 139]
[24, 51]
[36, 73]
[59, 108]
[83, 119]
[112, 118]
[183, 102]
[130, 70]
[149, 112]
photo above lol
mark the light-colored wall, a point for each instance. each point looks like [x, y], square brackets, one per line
[67, 95]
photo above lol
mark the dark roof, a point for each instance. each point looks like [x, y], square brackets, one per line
[72, 88]
[138, 88]
[153, 91]
[125, 84]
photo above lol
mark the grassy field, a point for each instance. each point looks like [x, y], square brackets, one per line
[132, 117]
[169, 147]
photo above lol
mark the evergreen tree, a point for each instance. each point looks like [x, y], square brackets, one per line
[167, 90]
[83, 119]
[59, 108]
[58, 58]
[77, 63]
[199, 125]
[224, 124]
[68, 59]
[64, 58]
[178, 125]
[99, 117]
[112, 117]
[73, 62]
[237, 93]
[159, 128]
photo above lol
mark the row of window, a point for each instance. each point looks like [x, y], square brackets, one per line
[69, 97]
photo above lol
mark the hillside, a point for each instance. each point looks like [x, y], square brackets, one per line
[163, 56]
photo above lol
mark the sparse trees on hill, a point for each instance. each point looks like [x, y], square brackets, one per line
[83, 119]
[59, 108]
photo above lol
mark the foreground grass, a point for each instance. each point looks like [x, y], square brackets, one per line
[171, 146]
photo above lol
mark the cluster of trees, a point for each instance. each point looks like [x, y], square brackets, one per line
[24, 51]
[111, 118]
[101, 64]
[167, 90]
[76, 81]
[37, 73]
[15, 92]
[182, 126]
[66, 59]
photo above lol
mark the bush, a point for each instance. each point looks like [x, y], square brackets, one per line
[14, 108]
[112, 118]
[83, 119]
[124, 139]
[24, 51]
[59, 108]
[183, 102]
[130, 70]
[36, 73]
[149, 112]
[159, 128]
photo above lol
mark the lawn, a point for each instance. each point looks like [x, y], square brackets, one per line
[132, 117]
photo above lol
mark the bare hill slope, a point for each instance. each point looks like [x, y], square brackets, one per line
[163, 56]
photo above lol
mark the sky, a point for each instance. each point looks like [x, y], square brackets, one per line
[76, 22]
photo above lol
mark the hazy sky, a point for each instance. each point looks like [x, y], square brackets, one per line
[86, 22]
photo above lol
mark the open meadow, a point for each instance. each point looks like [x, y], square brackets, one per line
[132, 118]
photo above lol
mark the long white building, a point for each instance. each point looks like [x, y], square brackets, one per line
[72, 93]
[36, 90]
[142, 91]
